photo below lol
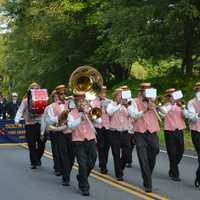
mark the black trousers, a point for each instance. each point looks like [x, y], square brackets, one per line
[35, 144]
[132, 143]
[175, 148]
[147, 146]
[121, 150]
[196, 143]
[86, 155]
[103, 146]
[66, 154]
[55, 151]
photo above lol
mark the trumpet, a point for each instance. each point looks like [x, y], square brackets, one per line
[155, 109]
[95, 113]
[160, 100]
[181, 104]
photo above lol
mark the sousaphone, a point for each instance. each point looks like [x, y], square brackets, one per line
[87, 80]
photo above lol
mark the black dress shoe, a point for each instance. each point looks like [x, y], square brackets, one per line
[77, 177]
[170, 173]
[104, 171]
[177, 179]
[33, 167]
[120, 179]
[39, 163]
[85, 193]
[57, 174]
[148, 189]
[197, 183]
[128, 165]
[65, 183]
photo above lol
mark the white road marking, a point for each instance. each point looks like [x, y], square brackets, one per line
[185, 155]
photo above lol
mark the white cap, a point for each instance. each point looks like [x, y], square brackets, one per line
[14, 94]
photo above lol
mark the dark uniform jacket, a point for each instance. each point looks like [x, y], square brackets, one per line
[12, 108]
[3, 110]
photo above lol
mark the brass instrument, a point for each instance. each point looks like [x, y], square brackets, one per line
[157, 104]
[62, 117]
[160, 100]
[95, 113]
[84, 80]
[87, 80]
[181, 104]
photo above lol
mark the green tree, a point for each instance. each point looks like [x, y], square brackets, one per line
[50, 39]
[154, 30]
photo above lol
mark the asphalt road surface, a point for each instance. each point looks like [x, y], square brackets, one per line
[19, 182]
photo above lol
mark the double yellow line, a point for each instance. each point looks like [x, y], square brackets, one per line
[124, 186]
[135, 191]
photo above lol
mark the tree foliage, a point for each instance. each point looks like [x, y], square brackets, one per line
[154, 30]
[49, 39]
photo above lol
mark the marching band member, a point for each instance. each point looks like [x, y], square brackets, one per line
[194, 115]
[45, 122]
[174, 125]
[32, 125]
[63, 138]
[102, 129]
[84, 141]
[146, 126]
[132, 141]
[128, 101]
[119, 136]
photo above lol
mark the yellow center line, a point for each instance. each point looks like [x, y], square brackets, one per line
[11, 144]
[124, 184]
[113, 182]
[115, 185]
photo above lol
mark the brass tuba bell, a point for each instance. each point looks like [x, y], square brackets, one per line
[87, 80]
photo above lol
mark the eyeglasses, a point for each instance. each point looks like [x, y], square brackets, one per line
[61, 93]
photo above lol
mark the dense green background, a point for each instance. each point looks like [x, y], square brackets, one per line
[127, 41]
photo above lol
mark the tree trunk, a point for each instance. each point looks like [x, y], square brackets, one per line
[187, 57]
[120, 72]
[183, 66]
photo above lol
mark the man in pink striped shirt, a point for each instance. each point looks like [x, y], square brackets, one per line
[63, 138]
[145, 127]
[84, 141]
[119, 136]
[102, 129]
[194, 116]
[174, 125]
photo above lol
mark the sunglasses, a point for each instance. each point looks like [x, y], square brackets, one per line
[61, 93]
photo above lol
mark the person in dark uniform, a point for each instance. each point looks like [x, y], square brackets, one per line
[2, 107]
[12, 106]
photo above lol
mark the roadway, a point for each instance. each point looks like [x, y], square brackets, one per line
[19, 182]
